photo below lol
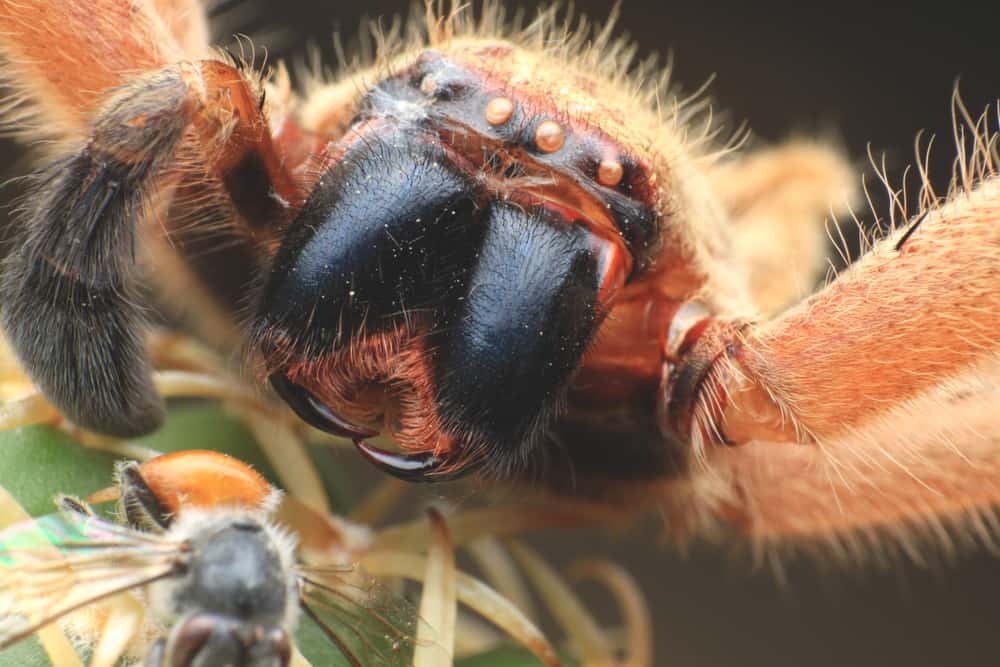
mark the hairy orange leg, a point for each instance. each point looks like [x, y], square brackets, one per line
[67, 55]
[910, 314]
[187, 23]
[61, 62]
[886, 378]
[73, 270]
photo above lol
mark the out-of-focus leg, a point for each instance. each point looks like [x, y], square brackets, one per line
[61, 58]
[187, 23]
[779, 200]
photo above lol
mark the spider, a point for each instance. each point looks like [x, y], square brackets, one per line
[511, 251]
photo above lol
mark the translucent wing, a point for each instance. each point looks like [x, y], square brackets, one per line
[56, 564]
[371, 625]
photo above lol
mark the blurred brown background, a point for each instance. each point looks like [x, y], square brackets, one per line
[847, 69]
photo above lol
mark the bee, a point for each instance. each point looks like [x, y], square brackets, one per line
[508, 250]
[214, 571]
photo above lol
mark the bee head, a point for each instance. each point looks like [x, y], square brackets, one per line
[234, 594]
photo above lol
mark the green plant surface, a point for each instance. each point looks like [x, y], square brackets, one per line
[315, 645]
[37, 462]
[28, 653]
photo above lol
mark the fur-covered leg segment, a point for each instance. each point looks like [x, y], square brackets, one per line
[61, 58]
[69, 304]
[69, 307]
[922, 307]
[887, 379]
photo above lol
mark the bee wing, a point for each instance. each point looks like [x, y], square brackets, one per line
[369, 623]
[56, 564]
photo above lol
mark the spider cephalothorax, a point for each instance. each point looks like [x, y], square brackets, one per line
[509, 250]
[468, 237]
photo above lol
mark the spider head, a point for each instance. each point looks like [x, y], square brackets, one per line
[450, 269]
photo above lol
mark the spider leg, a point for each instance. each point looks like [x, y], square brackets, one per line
[778, 200]
[930, 468]
[890, 328]
[71, 310]
[61, 58]
[60, 63]
[187, 23]
[887, 380]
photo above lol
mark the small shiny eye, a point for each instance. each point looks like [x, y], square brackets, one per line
[610, 173]
[499, 110]
[550, 136]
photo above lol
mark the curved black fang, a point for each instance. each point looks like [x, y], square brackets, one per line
[312, 410]
[423, 467]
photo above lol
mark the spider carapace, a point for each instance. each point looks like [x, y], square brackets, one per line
[506, 248]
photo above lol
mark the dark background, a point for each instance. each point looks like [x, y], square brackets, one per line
[864, 74]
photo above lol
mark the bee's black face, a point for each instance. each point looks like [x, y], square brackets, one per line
[234, 599]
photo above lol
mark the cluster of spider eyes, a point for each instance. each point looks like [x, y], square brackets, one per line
[550, 136]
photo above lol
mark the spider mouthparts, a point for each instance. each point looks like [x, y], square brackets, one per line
[423, 467]
[313, 411]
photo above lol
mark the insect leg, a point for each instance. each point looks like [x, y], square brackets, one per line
[70, 303]
[74, 506]
[140, 503]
